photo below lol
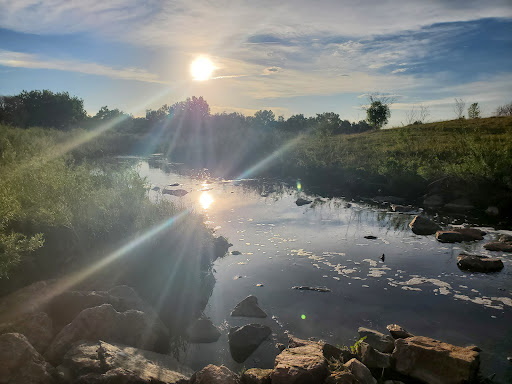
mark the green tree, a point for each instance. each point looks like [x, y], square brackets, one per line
[328, 123]
[378, 114]
[474, 111]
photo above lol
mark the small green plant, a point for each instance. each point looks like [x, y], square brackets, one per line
[355, 347]
[242, 370]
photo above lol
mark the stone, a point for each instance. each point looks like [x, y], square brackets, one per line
[20, 363]
[341, 377]
[459, 205]
[477, 263]
[280, 347]
[331, 352]
[213, 374]
[155, 188]
[300, 365]
[133, 328]
[503, 246]
[174, 185]
[422, 225]
[492, 211]
[174, 192]
[294, 342]
[381, 342]
[372, 358]
[300, 201]
[470, 234]
[220, 246]
[435, 362]
[243, 341]
[236, 253]
[202, 331]
[101, 361]
[397, 332]
[36, 327]
[248, 307]
[401, 208]
[256, 376]
[308, 288]
[433, 201]
[371, 237]
[360, 371]
[449, 237]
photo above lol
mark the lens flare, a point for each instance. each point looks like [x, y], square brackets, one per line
[299, 186]
[202, 68]
[205, 200]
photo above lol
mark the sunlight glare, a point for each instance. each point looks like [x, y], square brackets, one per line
[201, 68]
[205, 200]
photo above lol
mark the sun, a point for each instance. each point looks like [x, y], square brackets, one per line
[202, 68]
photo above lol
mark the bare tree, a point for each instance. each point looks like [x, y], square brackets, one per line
[417, 115]
[459, 108]
[424, 113]
[504, 110]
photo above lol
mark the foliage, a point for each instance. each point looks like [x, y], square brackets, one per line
[474, 111]
[378, 114]
[355, 347]
[504, 110]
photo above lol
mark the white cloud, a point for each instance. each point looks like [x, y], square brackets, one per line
[399, 70]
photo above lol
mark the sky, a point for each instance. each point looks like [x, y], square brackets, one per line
[291, 57]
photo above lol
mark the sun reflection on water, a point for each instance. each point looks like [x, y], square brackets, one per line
[205, 200]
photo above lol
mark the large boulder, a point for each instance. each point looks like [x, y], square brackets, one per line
[422, 225]
[28, 300]
[470, 234]
[477, 263]
[36, 327]
[381, 342]
[213, 374]
[133, 328]
[435, 362]
[248, 307]
[300, 365]
[243, 341]
[256, 376]
[360, 371]
[372, 358]
[202, 331]
[300, 201]
[20, 363]
[100, 362]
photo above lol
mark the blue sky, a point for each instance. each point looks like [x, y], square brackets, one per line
[289, 56]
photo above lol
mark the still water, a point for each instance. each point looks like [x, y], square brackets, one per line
[416, 284]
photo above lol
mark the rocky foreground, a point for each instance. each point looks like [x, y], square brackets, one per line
[51, 336]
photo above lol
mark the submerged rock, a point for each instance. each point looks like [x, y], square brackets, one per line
[435, 362]
[422, 225]
[479, 263]
[307, 288]
[213, 374]
[397, 332]
[174, 192]
[300, 201]
[202, 331]
[305, 364]
[379, 341]
[248, 307]
[243, 341]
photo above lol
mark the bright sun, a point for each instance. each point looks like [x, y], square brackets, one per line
[201, 68]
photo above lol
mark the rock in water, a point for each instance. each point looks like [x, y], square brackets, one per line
[307, 288]
[360, 371]
[435, 362]
[422, 225]
[503, 246]
[470, 234]
[213, 374]
[371, 237]
[304, 364]
[449, 237]
[174, 192]
[243, 341]
[248, 307]
[397, 332]
[381, 342]
[479, 263]
[300, 201]
[202, 331]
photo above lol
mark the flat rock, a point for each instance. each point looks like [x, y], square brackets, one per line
[243, 341]
[256, 376]
[422, 225]
[435, 362]
[477, 263]
[470, 234]
[503, 246]
[133, 328]
[36, 327]
[360, 371]
[202, 331]
[449, 237]
[304, 365]
[381, 342]
[103, 361]
[300, 201]
[174, 192]
[213, 374]
[20, 363]
[248, 307]
[397, 332]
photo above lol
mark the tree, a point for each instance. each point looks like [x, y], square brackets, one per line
[474, 111]
[459, 107]
[328, 123]
[264, 118]
[504, 110]
[417, 115]
[378, 110]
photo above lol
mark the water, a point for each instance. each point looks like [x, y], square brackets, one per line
[416, 285]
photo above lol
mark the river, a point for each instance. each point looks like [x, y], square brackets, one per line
[397, 278]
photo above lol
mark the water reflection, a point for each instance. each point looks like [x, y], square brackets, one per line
[205, 200]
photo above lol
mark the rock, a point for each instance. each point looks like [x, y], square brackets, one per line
[28, 300]
[459, 205]
[422, 225]
[470, 234]
[433, 201]
[370, 237]
[449, 237]
[248, 307]
[236, 253]
[202, 331]
[213, 374]
[294, 342]
[401, 208]
[243, 341]
[348, 205]
[331, 352]
[155, 188]
[479, 263]
[435, 362]
[307, 288]
[174, 192]
[133, 328]
[174, 185]
[300, 201]
[341, 377]
[503, 246]
[360, 371]
[36, 327]
[304, 365]
[280, 347]
[379, 341]
[20, 363]
[372, 358]
[256, 376]
[103, 361]
[221, 246]
[397, 332]
[492, 211]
